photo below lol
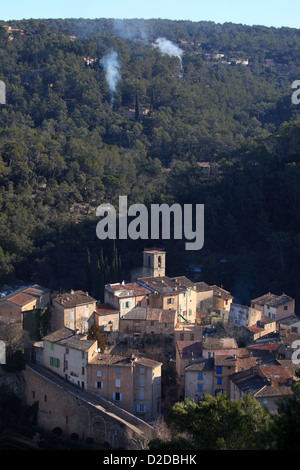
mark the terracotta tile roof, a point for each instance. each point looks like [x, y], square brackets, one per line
[120, 360]
[203, 365]
[105, 309]
[26, 295]
[151, 314]
[224, 294]
[74, 298]
[58, 335]
[272, 300]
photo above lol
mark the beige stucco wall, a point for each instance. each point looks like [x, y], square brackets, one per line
[76, 317]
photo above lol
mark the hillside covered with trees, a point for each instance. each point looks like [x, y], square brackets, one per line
[76, 132]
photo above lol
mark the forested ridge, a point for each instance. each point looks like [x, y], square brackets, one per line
[69, 143]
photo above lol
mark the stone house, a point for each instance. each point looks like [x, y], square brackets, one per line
[107, 317]
[186, 353]
[74, 310]
[14, 304]
[263, 327]
[266, 382]
[132, 382]
[241, 315]
[68, 354]
[199, 376]
[222, 299]
[172, 293]
[124, 297]
[187, 332]
[213, 346]
[144, 320]
[274, 306]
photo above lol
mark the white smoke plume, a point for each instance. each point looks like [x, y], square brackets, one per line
[168, 48]
[111, 65]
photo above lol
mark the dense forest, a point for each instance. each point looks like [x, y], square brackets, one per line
[76, 131]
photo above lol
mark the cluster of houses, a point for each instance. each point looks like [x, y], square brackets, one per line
[256, 359]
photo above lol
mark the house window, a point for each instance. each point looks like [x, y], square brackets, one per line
[219, 370]
[52, 347]
[118, 383]
[141, 408]
[190, 312]
[181, 336]
[148, 301]
[142, 382]
[54, 362]
[219, 381]
[192, 336]
[98, 384]
[99, 373]
[141, 396]
[82, 370]
[45, 398]
[118, 370]
[285, 307]
[33, 394]
[199, 387]
[200, 375]
[117, 396]
[142, 370]
[152, 323]
[170, 300]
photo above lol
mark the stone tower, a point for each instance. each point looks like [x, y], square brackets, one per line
[154, 264]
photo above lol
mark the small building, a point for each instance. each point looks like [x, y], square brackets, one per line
[213, 346]
[144, 320]
[107, 317]
[274, 306]
[130, 381]
[172, 293]
[241, 315]
[292, 322]
[186, 353]
[74, 310]
[268, 383]
[67, 354]
[222, 299]
[126, 296]
[188, 332]
[15, 304]
[199, 376]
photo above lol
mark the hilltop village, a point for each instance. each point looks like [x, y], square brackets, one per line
[165, 339]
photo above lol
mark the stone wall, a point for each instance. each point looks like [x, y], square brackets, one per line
[75, 411]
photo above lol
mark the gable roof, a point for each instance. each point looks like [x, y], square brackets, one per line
[74, 298]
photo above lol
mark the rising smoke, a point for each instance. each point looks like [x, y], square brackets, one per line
[167, 47]
[111, 65]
